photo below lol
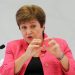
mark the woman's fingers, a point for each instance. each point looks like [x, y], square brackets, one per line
[47, 39]
[36, 41]
[34, 46]
[49, 42]
[52, 43]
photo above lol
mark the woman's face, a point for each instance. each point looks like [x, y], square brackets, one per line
[31, 30]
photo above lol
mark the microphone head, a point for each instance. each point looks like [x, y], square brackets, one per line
[2, 46]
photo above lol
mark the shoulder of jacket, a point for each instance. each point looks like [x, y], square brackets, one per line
[60, 40]
[14, 42]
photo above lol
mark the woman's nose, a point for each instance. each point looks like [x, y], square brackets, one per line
[29, 31]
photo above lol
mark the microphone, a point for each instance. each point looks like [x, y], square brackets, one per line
[2, 46]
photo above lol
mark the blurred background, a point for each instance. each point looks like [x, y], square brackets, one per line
[60, 20]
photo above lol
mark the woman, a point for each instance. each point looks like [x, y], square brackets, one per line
[36, 53]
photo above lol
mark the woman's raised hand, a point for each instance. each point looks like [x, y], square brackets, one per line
[34, 47]
[53, 47]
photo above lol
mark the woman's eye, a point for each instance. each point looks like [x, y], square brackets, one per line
[24, 27]
[33, 26]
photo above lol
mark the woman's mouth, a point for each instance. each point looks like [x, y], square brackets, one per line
[30, 37]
